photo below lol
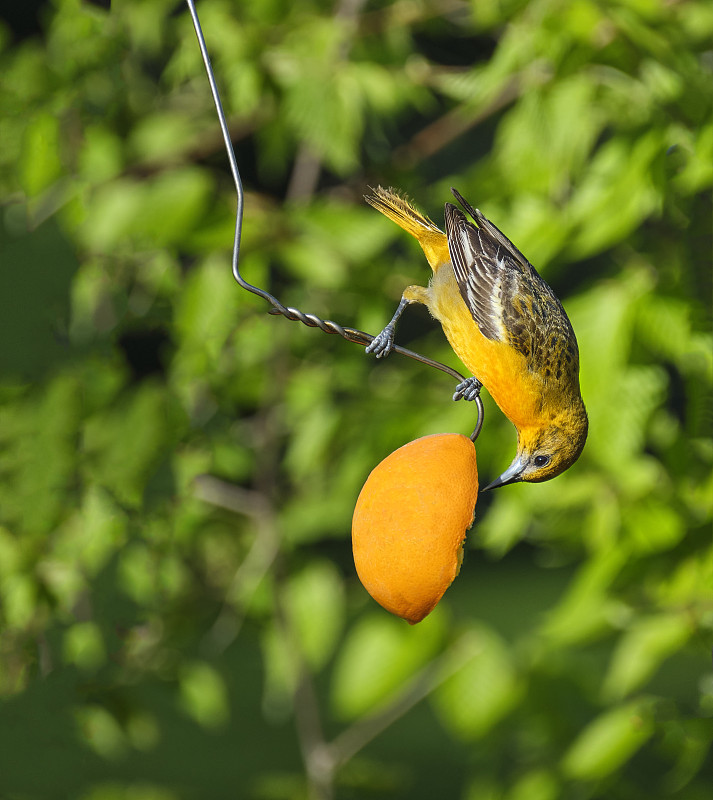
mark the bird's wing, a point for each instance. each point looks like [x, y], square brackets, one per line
[508, 300]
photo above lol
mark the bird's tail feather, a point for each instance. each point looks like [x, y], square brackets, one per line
[399, 210]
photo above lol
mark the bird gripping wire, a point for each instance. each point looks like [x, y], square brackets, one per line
[311, 320]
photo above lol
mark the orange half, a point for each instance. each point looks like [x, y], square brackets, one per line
[410, 523]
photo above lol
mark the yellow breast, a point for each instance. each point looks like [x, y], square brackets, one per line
[500, 368]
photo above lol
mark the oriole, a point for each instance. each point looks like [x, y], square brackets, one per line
[506, 325]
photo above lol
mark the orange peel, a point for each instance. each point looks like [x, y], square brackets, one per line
[410, 523]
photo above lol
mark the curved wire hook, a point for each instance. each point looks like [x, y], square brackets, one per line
[311, 320]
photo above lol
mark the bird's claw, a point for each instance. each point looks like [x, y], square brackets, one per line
[383, 343]
[469, 389]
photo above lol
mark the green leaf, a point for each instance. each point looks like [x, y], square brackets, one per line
[314, 599]
[160, 212]
[690, 582]
[39, 455]
[124, 444]
[19, 600]
[545, 140]
[102, 157]
[95, 532]
[642, 649]
[653, 526]
[586, 609]
[538, 784]
[618, 177]
[83, 645]
[162, 137]
[205, 315]
[137, 573]
[608, 742]
[281, 672]
[40, 164]
[379, 656]
[101, 732]
[483, 690]
[503, 527]
[204, 695]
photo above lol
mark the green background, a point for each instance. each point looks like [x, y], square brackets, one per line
[179, 612]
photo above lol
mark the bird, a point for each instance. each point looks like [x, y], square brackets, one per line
[507, 327]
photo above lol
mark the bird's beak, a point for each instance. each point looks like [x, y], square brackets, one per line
[511, 475]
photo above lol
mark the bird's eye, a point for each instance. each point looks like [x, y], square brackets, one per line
[542, 461]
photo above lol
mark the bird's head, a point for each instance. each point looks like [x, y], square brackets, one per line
[544, 453]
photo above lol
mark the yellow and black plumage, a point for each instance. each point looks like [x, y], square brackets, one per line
[506, 325]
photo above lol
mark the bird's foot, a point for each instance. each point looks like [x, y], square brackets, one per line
[383, 343]
[469, 389]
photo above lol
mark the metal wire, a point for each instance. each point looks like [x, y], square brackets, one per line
[311, 320]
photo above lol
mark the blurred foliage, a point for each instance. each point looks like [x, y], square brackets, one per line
[179, 613]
